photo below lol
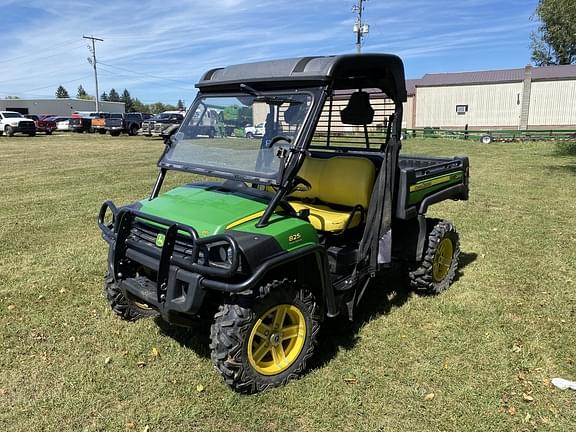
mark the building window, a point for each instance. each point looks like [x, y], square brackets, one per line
[461, 109]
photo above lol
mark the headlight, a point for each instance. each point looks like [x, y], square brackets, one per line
[14, 123]
[220, 255]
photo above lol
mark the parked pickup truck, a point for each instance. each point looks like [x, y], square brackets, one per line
[129, 123]
[255, 131]
[154, 126]
[290, 230]
[99, 123]
[81, 121]
[12, 122]
[43, 124]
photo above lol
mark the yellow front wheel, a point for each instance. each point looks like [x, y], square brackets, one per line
[265, 341]
[277, 339]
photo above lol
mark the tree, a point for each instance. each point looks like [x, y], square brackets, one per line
[104, 96]
[12, 97]
[128, 102]
[555, 41]
[81, 92]
[114, 96]
[138, 106]
[62, 93]
[180, 105]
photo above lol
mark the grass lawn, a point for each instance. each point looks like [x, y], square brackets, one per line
[479, 357]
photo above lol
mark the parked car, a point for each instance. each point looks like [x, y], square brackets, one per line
[154, 126]
[128, 123]
[81, 121]
[43, 123]
[255, 131]
[12, 122]
[62, 123]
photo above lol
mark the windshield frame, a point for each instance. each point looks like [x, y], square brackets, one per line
[315, 94]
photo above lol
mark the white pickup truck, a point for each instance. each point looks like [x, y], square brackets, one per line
[12, 122]
[255, 131]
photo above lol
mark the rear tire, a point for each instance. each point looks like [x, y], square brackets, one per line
[438, 267]
[260, 343]
[249, 135]
[120, 305]
[486, 139]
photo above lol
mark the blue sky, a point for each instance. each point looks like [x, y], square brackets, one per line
[158, 49]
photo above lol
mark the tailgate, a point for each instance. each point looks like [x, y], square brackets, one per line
[98, 122]
[427, 180]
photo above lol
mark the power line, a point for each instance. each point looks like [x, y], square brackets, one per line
[93, 63]
[34, 54]
[144, 73]
[165, 85]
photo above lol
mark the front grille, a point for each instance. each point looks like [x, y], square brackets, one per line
[146, 233]
[23, 125]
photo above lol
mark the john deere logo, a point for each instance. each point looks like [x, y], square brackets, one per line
[160, 240]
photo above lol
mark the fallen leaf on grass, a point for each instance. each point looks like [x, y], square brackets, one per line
[155, 352]
[62, 290]
[350, 380]
[527, 417]
[11, 307]
[527, 397]
[511, 411]
[429, 396]
[107, 360]
[141, 364]
[199, 388]
[130, 425]
[3, 392]
[146, 429]
[516, 348]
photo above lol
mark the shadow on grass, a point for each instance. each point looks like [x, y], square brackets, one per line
[388, 291]
[567, 169]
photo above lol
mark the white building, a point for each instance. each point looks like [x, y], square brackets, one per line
[62, 107]
[529, 98]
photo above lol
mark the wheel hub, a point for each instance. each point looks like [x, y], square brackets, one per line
[277, 339]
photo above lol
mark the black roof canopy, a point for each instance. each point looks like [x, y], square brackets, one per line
[384, 71]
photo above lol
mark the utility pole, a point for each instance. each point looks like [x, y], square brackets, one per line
[92, 61]
[360, 28]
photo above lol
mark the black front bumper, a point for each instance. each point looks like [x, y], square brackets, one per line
[177, 287]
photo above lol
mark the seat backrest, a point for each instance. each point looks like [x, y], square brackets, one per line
[358, 111]
[341, 180]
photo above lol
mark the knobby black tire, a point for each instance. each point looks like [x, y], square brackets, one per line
[421, 279]
[233, 323]
[120, 305]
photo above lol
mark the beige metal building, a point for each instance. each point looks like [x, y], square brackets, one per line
[62, 107]
[530, 98]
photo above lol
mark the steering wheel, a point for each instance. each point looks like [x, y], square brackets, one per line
[278, 138]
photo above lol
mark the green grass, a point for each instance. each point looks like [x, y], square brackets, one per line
[491, 341]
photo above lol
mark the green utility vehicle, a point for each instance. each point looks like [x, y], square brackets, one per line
[289, 229]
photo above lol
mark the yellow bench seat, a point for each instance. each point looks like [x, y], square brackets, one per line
[324, 218]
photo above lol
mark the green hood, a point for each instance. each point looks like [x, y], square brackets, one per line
[208, 210]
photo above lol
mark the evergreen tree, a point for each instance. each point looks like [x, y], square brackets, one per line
[104, 96]
[114, 96]
[180, 105]
[62, 93]
[128, 102]
[81, 92]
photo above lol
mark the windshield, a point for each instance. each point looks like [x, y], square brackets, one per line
[161, 116]
[238, 135]
[12, 115]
